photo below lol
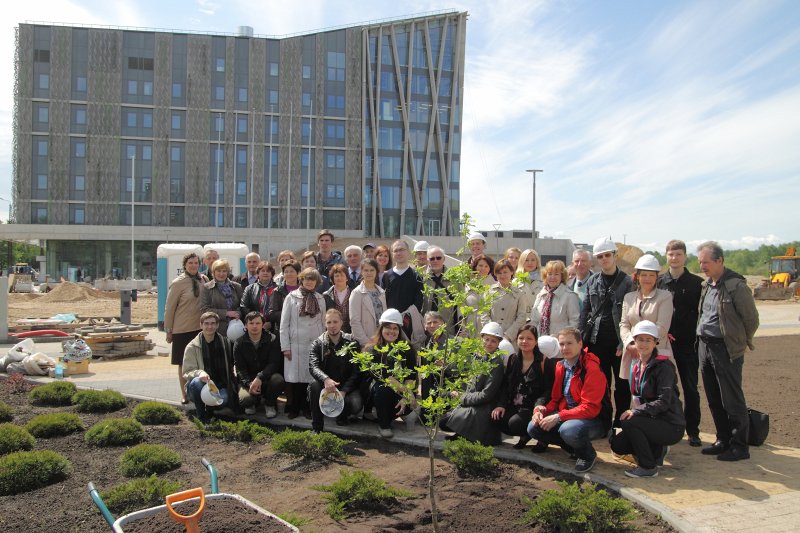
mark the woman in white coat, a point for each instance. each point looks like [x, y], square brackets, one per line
[646, 303]
[367, 303]
[556, 307]
[302, 321]
[508, 305]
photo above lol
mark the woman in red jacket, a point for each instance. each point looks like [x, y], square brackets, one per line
[579, 409]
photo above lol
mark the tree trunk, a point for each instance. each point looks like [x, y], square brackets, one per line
[431, 491]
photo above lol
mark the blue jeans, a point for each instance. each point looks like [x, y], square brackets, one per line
[193, 392]
[577, 434]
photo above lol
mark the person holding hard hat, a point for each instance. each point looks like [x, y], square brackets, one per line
[655, 421]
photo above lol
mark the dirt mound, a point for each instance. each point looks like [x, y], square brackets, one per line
[627, 256]
[73, 292]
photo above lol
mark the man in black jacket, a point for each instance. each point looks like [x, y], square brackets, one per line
[333, 371]
[403, 285]
[259, 367]
[685, 289]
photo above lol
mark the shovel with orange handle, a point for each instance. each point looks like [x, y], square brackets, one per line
[191, 522]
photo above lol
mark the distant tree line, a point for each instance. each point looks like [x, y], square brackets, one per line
[751, 262]
[21, 252]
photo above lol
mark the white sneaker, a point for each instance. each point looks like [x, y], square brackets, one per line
[250, 410]
[270, 412]
[386, 433]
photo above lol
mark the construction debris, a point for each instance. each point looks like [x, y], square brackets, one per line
[116, 341]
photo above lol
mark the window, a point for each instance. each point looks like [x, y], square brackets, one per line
[306, 72]
[41, 182]
[219, 92]
[130, 151]
[39, 215]
[76, 215]
[220, 64]
[42, 148]
[80, 117]
[335, 101]
[273, 69]
[147, 153]
[335, 66]
[177, 90]
[176, 122]
[131, 119]
[41, 56]
[175, 153]
[132, 86]
[80, 183]
[80, 149]
[80, 84]
[241, 188]
[273, 98]
[147, 88]
[242, 94]
[219, 123]
[44, 81]
[306, 99]
[44, 114]
[147, 120]
[242, 125]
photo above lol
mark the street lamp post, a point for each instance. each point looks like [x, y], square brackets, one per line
[533, 223]
[133, 212]
[497, 239]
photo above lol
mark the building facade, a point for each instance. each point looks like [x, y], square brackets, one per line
[356, 129]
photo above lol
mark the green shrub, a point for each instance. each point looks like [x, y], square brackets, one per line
[25, 471]
[156, 413]
[14, 438]
[139, 494]
[53, 394]
[576, 509]
[308, 445]
[146, 459]
[115, 432]
[242, 430]
[471, 459]
[99, 401]
[295, 519]
[54, 425]
[6, 412]
[359, 490]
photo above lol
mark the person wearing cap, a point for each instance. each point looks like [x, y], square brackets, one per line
[209, 357]
[524, 386]
[259, 367]
[477, 243]
[579, 409]
[531, 282]
[645, 303]
[685, 288]
[369, 250]
[600, 317]
[353, 256]
[581, 264]
[327, 256]
[655, 421]
[728, 320]
[434, 278]
[402, 283]
[508, 304]
[556, 307]
[332, 369]
[367, 303]
[381, 391]
[472, 419]
[421, 253]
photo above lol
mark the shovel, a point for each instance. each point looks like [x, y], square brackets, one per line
[191, 522]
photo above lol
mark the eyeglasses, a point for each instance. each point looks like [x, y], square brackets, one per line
[604, 255]
[437, 258]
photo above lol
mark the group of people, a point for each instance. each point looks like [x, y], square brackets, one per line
[575, 355]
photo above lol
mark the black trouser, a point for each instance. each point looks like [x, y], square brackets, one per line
[722, 380]
[352, 404]
[605, 348]
[515, 421]
[297, 399]
[270, 390]
[645, 438]
[385, 401]
[688, 364]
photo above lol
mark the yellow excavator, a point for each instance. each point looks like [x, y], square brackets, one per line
[783, 273]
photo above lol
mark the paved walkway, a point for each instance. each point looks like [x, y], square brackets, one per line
[693, 492]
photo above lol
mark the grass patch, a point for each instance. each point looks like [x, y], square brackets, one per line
[147, 459]
[359, 490]
[99, 401]
[115, 432]
[26, 471]
[156, 413]
[471, 459]
[241, 431]
[309, 445]
[54, 394]
[14, 438]
[138, 494]
[54, 425]
[575, 509]
[294, 519]
[6, 412]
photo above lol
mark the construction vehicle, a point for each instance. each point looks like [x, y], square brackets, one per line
[20, 278]
[783, 277]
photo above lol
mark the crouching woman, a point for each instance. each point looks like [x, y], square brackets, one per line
[656, 419]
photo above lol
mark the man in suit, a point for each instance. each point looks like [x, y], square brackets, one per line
[251, 261]
[352, 256]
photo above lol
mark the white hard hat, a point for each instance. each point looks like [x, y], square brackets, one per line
[210, 395]
[391, 316]
[645, 327]
[421, 246]
[331, 403]
[506, 346]
[648, 262]
[549, 346]
[603, 245]
[494, 329]
[476, 236]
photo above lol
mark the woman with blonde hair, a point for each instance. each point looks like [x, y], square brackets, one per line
[221, 295]
[513, 254]
[556, 307]
[530, 263]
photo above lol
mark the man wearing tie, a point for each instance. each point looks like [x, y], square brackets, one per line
[353, 255]
[581, 261]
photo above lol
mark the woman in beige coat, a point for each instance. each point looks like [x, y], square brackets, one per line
[646, 303]
[182, 313]
[556, 307]
[508, 305]
[367, 303]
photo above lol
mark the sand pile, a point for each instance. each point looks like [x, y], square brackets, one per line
[73, 292]
[627, 256]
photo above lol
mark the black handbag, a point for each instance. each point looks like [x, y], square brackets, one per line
[759, 427]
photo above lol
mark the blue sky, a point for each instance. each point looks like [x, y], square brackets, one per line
[651, 120]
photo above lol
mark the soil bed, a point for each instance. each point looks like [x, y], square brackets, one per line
[277, 483]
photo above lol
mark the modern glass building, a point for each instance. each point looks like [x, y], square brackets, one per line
[235, 137]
